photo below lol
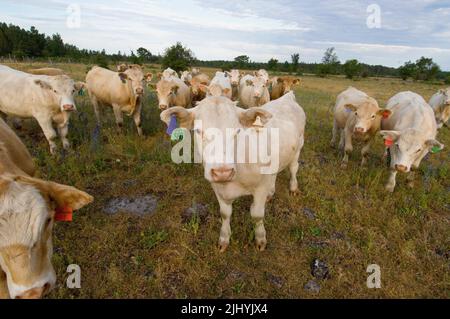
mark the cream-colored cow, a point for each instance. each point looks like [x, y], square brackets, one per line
[282, 85]
[253, 91]
[235, 78]
[173, 91]
[27, 214]
[440, 102]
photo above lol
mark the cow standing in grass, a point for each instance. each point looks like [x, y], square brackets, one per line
[235, 78]
[230, 178]
[410, 134]
[356, 116]
[440, 102]
[282, 85]
[48, 99]
[253, 91]
[123, 91]
[27, 214]
[172, 91]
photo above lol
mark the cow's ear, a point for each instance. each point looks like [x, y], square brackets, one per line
[280, 80]
[226, 91]
[434, 145]
[203, 87]
[122, 68]
[79, 85]
[43, 84]
[384, 113]
[185, 117]
[148, 77]
[248, 117]
[63, 195]
[255, 73]
[175, 89]
[296, 81]
[123, 76]
[351, 107]
[390, 135]
[249, 82]
[159, 75]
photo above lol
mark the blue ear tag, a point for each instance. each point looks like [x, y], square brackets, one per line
[435, 149]
[172, 125]
[348, 110]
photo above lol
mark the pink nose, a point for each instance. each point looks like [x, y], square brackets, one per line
[139, 91]
[68, 107]
[162, 106]
[401, 168]
[35, 293]
[359, 130]
[223, 174]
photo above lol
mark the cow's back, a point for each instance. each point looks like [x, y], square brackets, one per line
[14, 156]
[107, 86]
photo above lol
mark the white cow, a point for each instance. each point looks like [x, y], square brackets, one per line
[262, 74]
[168, 74]
[409, 133]
[440, 102]
[231, 179]
[235, 78]
[220, 85]
[46, 98]
[253, 91]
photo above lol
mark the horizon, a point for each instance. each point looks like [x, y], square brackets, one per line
[383, 33]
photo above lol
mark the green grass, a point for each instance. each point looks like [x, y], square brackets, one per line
[159, 256]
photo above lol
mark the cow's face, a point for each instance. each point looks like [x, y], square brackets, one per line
[259, 87]
[27, 209]
[288, 83]
[263, 74]
[166, 91]
[367, 115]
[136, 79]
[62, 89]
[167, 73]
[235, 77]
[216, 123]
[442, 113]
[408, 148]
[186, 77]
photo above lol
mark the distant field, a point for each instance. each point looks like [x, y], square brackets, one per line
[163, 255]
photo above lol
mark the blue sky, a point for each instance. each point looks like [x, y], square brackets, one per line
[261, 29]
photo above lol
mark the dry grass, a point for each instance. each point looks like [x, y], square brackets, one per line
[158, 256]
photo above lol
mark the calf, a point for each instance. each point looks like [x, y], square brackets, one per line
[48, 99]
[230, 178]
[282, 85]
[123, 91]
[410, 134]
[253, 91]
[172, 92]
[27, 213]
[356, 116]
[440, 102]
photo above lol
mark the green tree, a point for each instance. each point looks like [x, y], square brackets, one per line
[407, 70]
[330, 63]
[426, 69]
[272, 65]
[241, 61]
[352, 68]
[295, 59]
[55, 46]
[144, 55]
[178, 58]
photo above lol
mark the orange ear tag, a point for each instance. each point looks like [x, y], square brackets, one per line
[63, 214]
[388, 142]
[386, 115]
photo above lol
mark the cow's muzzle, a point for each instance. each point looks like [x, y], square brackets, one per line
[222, 175]
[360, 130]
[35, 293]
[401, 168]
[139, 91]
[162, 107]
[69, 107]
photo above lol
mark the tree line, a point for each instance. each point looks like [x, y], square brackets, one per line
[19, 43]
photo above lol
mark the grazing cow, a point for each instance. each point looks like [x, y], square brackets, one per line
[199, 87]
[253, 91]
[235, 78]
[262, 74]
[46, 98]
[220, 83]
[233, 179]
[440, 102]
[282, 85]
[123, 91]
[172, 92]
[356, 116]
[27, 214]
[47, 71]
[410, 134]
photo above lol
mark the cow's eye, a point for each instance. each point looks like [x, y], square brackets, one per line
[373, 116]
[54, 91]
[356, 113]
[419, 150]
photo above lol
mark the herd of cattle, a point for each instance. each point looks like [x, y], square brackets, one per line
[29, 206]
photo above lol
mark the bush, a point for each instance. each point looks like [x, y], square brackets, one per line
[352, 68]
[447, 80]
[178, 58]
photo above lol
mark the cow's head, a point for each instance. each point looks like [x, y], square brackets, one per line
[62, 90]
[221, 122]
[168, 73]
[235, 77]
[198, 89]
[27, 212]
[367, 115]
[135, 78]
[442, 112]
[287, 82]
[166, 91]
[408, 148]
[258, 85]
[262, 74]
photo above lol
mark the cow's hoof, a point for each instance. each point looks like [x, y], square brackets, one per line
[390, 188]
[261, 246]
[294, 193]
[223, 247]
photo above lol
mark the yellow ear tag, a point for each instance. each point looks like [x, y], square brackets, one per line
[258, 123]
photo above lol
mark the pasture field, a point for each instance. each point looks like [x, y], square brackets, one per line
[342, 217]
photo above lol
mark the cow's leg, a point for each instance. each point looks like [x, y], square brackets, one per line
[341, 139]
[335, 134]
[365, 152]
[257, 211]
[4, 292]
[272, 188]
[226, 209]
[293, 170]
[96, 107]
[45, 122]
[137, 119]
[62, 122]
[348, 148]
[118, 115]
[390, 186]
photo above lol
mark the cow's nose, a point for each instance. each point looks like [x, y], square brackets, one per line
[223, 174]
[35, 293]
[401, 168]
[162, 107]
[68, 107]
[139, 91]
[359, 130]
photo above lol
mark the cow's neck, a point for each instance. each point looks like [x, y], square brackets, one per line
[133, 97]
